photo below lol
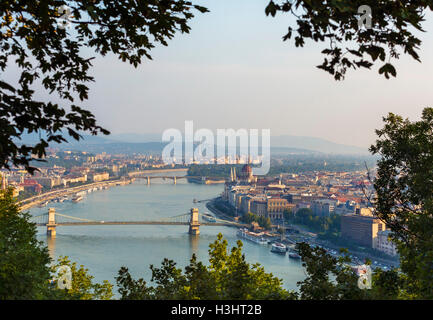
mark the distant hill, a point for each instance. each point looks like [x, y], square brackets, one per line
[316, 144]
[151, 143]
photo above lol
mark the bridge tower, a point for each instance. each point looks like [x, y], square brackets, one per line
[51, 225]
[193, 223]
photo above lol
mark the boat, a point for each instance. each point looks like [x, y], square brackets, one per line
[279, 248]
[252, 236]
[43, 204]
[294, 255]
[209, 218]
[77, 198]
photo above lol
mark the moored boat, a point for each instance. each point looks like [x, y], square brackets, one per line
[252, 236]
[294, 255]
[279, 248]
[77, 198]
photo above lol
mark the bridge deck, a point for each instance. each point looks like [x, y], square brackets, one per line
[111, 223]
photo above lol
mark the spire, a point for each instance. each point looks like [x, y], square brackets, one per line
[4, 183]
[231, 174]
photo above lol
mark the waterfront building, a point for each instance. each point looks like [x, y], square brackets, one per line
[276, 208]
[74, 178]
[246, 175]
[259, 207]
[96, 177]
[49, 182]
[362, 229]
[32, 186]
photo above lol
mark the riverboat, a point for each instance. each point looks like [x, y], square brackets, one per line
[252, 236]
[279, 248]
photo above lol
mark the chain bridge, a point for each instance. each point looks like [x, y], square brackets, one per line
[193, 219]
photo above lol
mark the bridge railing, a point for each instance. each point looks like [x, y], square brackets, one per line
[185, 218]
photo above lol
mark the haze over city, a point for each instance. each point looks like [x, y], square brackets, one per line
[234, 71]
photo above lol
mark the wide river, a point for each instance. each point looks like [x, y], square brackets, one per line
[104, 249]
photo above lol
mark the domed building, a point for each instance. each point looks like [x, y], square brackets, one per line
[246, 174]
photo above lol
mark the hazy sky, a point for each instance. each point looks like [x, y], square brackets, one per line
[234, 71]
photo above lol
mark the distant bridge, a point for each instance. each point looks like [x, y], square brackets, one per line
[193, 219]
[174, 178]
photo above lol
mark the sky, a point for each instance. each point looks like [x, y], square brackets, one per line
[234, 71]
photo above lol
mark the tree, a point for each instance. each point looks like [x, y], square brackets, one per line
[82, 285]
[34, 39]
[328, 278]
[24, 271]
[350, 45]
[404, 200]
[228, 276]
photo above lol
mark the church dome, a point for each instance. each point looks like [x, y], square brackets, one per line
[247, 169]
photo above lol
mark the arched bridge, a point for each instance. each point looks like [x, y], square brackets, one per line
[148, 177]
[193, 219]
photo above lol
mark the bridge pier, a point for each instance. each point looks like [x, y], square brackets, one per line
[148, 180]
[51, 225]
[194, 223]
[174, 179]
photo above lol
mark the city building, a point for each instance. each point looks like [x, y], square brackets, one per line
[361, 229]
[383, 243]
[276, 208]
[96, 177]
[323, 208]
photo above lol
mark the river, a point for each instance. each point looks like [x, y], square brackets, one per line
[104, 249]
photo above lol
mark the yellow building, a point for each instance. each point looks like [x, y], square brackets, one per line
[96, 177]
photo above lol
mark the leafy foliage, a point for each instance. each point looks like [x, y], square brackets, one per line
[261, 220]
[228, 276]
[83, 287]
[47, 55]
[404, 200]
[24, 271]
[306, 217]
[328, 278]
[352, 46]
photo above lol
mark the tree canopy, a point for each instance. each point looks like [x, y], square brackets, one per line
[228, 276]
[404, 196]
[349, 44]
[49, 55]
[44, 42]
[24, 270]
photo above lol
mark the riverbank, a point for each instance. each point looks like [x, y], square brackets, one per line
[51, 195]
[219, 214]
[311, 238]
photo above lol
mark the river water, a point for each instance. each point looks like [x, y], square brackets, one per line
[104, 249]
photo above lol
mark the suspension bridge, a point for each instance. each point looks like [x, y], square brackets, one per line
[193, 219]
